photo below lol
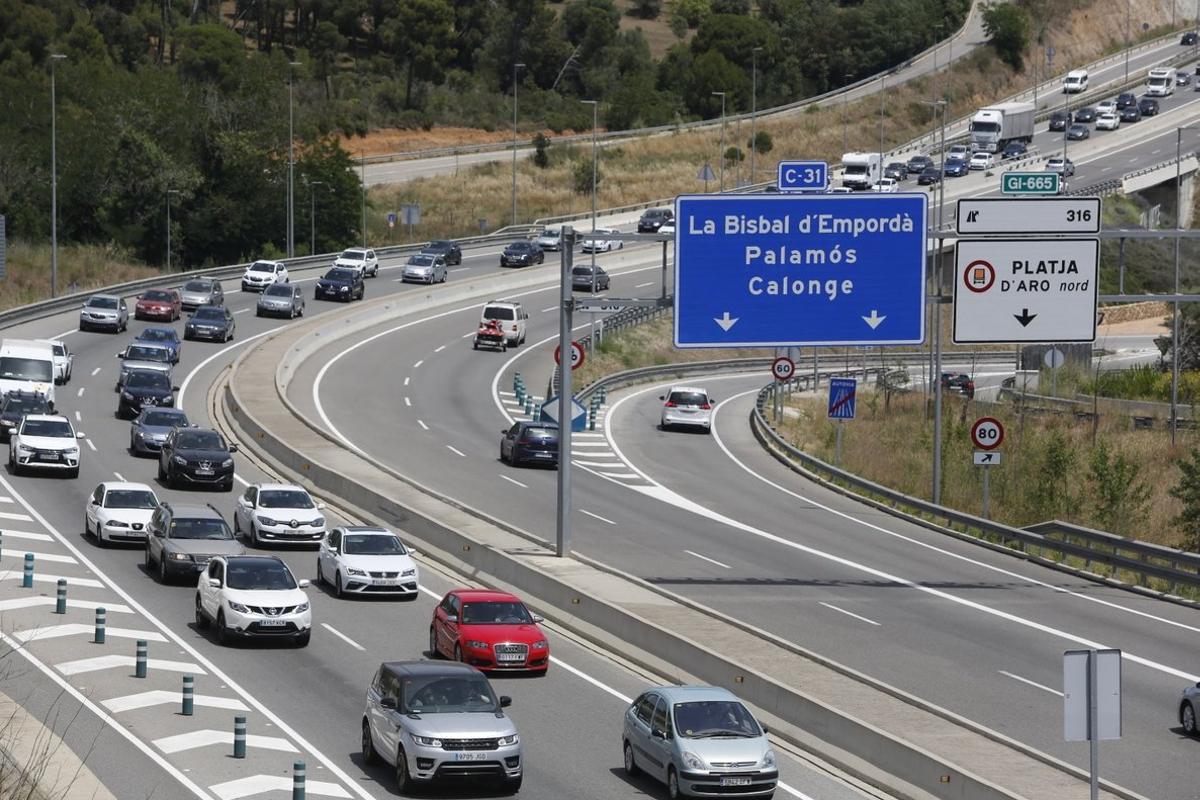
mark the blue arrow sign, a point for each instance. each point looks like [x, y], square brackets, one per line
[802, 176]
[841, 397]
[776, 270]
[550, 413]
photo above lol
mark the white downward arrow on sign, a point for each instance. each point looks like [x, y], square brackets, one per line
[726, 322]
[874, 320]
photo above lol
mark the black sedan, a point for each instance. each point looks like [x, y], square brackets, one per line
[1125, 100]
[340, 283]
[16, 405]
[521, 254]
[956, 168]
[196, 456]
[145, 388]
[1131, 114]
[530, 442]
[918, 164]
[1086, 114]
[929, 175]
[1190, 38]
[210, 322]
[1014, 149]
[450, 251]
[897, 170]
[1078, 132]
[1148, 106]
[958, 382]
[583, 279]
[1059, 120]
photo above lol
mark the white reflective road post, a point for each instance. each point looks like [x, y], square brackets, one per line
[565, 394]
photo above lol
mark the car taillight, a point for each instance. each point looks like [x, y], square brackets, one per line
[669, 404]
[522, 441]
[705, 406]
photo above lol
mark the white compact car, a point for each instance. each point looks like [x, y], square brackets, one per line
[1108, 122]
[981, 161]
[261, 274]
[886, 186]
[363, 260]
[119, 512]
[549, 239]
[253, 596]
[687, 407]
[358, 560]
[278, 512]
[598, 242]
[44, 441]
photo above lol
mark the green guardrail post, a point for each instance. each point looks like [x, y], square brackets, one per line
[60, 604]
[239, 736]
[27, 578]
[100, 623]
[140, 662]
[189, 695]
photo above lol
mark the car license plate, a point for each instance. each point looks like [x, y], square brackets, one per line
[509, 657]
[385, 582]
[272, 623]
[48, 456]
[204, 472]
[470, 756]
[740, 781]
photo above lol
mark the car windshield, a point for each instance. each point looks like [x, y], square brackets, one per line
[200, 440]
[551, 233]
[130, 498]
[258, 574]
[498, 312]
[26, 369]
[583, 271]
[372, 544]
[495, 612]
[214, 529]
[421, 261]
[517, 246]
[353, 255]
[157, 335]
[197, 286]
[339, 275]
[284, 498]
[157, 295]
[262, 266]
[102, 302]
[713, 718]
[688, 398]
[50, 428]
[440, 246]
[148, 353]
[165, 419]
[210, 313]
[25, 405]
[279, 290]
[441, 694]
[147, 380]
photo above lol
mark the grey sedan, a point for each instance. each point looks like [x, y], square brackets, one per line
[149, 430]
[281, 300]
[425, 268]
[104, 311]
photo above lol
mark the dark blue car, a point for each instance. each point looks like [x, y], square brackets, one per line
[168, 337]
[530, 443]
[340, 283]
[956, 168]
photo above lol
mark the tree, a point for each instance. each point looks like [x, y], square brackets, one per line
[691, 12]
[581, 177]
[1189, 335]
[540, 145]
[646, 9]
[210, 54]
[741, 7]
[421, 38]
[711, 72]
[1187, 491]
[735, 37]
[762, 143]
[734, 155]
[1051, 494]
[1120, 498]
[1007, 28]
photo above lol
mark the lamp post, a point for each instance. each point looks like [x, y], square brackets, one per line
[362, 171]
[53, 180]
[516, 66]
[312, 216]
[595, 104]
[1175, 337]
[722, 96]
[753, 111]
[936, 367]
[1128, 3]
[882, 85]
[169, 193]
[291, 182]
[845, 120]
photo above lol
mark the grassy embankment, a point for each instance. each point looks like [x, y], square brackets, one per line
[86, 266]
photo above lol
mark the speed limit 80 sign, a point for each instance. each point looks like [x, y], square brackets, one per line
[987, 433]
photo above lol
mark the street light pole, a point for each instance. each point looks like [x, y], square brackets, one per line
[312, 216]
[169, 193]
[291, 199]
[754, 111]
[882, 84]
[595, 106]
[1128, 3]
[53, 180]
[1175, 340]
[516, 66]
[845, 121]
[362, 169]
[722, 96]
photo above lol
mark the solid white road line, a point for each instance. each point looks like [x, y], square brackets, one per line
[848, 613]
[513, 480]
[456, 451]
[96, 371]
[644, 285]
[1030, 683]
[183, 387]
[596, 516]
[424, 427]
[342, 636]
[709, 560]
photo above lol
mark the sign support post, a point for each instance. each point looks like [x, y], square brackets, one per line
[1093, 724]
[1092, 703]
[837, 446]
[986, 496]
[567, 305]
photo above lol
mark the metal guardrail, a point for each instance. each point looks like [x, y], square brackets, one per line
[1158, 569]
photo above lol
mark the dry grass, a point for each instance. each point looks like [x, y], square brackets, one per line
[86, 266]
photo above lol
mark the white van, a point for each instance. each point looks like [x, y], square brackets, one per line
[27, 365]
[512, 317]
[1076, 81]
[1160, 82]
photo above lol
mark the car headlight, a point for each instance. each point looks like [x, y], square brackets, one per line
[116, 523]
[140, 434]
[478, 645]
[692, 761]
[344, 289]
[539, 645]
[266, 521]
[8, 423]
[361, 573]
[427, 741]
[71, 451]
[127, 395]
[507, 740]
[179, 557]
[319, 522]
[180, 460]
[408, 573]
[227, 462]
[768, 760]
[300, 609]
[238, 607]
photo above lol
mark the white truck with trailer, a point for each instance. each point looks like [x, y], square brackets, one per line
[861, 170]
[992, 127]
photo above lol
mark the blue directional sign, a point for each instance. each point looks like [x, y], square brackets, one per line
[803, 176]
[550, 413]
[842, 397]
[774, 270]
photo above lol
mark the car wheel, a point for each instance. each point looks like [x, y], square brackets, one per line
[98, 536]
[73, 473]
[631, 767]
[320, 577]
[337, 585]
[163, 577]
[227, 486]
[149, 560]
[162, 476]
[512, 786]
[303, 639]
[202, 621]
[673, 784]
[258, 312]
[458, 656]
[292, 312]
[433, 648]
[369, 756]
[254, 542]
[172, 481]
[404, 781]
[223, 636]
[1187, 718]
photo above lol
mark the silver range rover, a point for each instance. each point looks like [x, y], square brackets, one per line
[439, 721]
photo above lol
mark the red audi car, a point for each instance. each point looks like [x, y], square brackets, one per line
[158, 304]
[488, 630]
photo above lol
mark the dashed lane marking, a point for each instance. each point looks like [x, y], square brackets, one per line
[709, 560]
[424, 427]
[455, 450]
[513, 480]
[80, 392]
[91, 446]
[408, 402]
[859, 617]
[439, 349]
[96, 371]
[342, 636]
[596, 516]
[418, 364]
[1030, 683]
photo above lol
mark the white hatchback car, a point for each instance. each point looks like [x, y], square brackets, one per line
[363, 260]
[886, 186]
[261, 274]
[253, 596]
[119, 512]
[1108, 122]
[278, 512]
[687, 407]
[981, 161]
[359, 560]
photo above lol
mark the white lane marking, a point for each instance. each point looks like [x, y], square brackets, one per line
[90, 445]
[621, 474]
[253, 702]
[424, 427]
[276, 784]
[468, 335]
[706, 558]
[406, 380]
[113, 660]
[582, 435]
[120, 477]
[240, 479]
[512, 480]
[39, 556]
[42, 577]
[78, 417]
[80, 392]
[5, 499]
[206, 738]
[33, 602]
[408, 402]
[596, 516]
[65, 333]
[342, 636]
[832, 607]
[1030, 683]
[1155, 152]
[18, 517]
[439, 349]
[551, 308]
[188, 380]
[241, 311]
[597, 464]
[79, 629]
[588, 444]
[644, 285]
[416, 365]
[456, 451]
[161, 697]
[460, 269]
[40, 537]
[793, 792]
[96, 371]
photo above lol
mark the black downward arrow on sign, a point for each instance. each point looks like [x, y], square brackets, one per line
[1024, 317]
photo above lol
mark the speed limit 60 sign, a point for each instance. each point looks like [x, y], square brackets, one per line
[987, 433]
[576, 355]
[783, 368]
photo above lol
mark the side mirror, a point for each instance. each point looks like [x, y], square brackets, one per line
[451, 618]
[504, 431]
[304, 583]
[233, 448]
[159, 534]
[320, 506]
[388, 703]
[505, 701]
[174, 388]
[538, 618]
[214, 583]
[79, 434]
[766, 730]
[120, 355]
[662, 397]
[658, 733]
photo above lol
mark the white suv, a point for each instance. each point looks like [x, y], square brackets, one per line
[261, 274]
[44, 441]
[361, 259]
[278, 512]
[512, 317]
[687, 407]
[253, 596]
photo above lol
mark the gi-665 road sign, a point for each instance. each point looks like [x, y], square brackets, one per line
[1030, 182]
